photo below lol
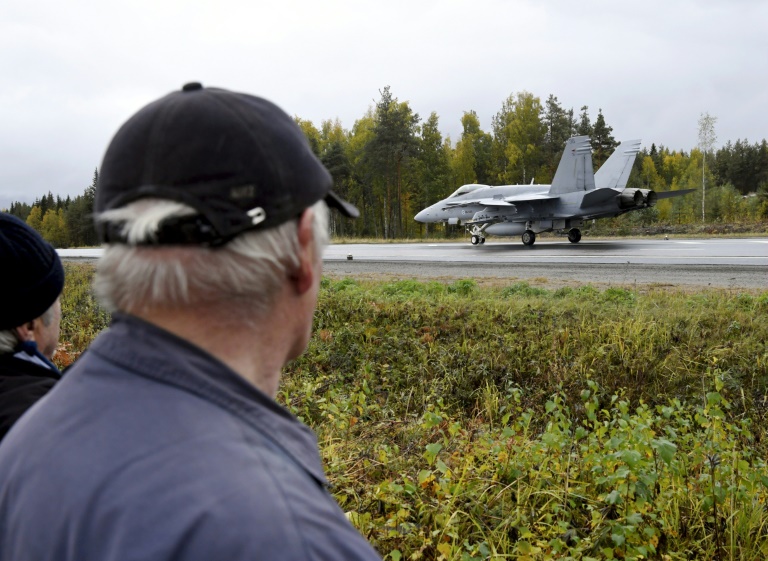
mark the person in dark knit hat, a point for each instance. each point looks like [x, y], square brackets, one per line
[165, 441]
[31, 283]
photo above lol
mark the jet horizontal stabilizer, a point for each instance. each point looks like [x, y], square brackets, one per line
[597, 197]
[668, 194]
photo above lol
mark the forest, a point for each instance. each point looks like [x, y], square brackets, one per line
[393, 163]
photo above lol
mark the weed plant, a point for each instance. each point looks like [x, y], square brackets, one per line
[462, 423]
[82, 318]
[467, 423]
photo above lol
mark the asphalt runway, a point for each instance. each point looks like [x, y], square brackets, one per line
[723, 263]
[717, 262]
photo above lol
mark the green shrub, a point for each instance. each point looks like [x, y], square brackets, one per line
[82, 318]
[462, 287]
[463, 423]
[412, 288]
[523, 289]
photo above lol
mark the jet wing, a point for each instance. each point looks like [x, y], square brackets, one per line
[529, 198]
[503, 202]
[478, 202]
[494, 202]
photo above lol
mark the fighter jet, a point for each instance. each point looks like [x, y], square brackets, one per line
[575, 195]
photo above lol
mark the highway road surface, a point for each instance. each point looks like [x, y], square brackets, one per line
[717, 262]
[727, 263]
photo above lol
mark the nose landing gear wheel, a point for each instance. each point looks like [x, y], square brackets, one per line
[475, 240]
[529, 237]
[574, 235]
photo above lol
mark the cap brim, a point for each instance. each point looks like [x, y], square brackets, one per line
[347, 209]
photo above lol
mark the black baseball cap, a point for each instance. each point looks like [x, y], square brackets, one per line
[238, 159]
[33, 276]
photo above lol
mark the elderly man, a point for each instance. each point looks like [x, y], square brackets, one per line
[164, 441]
[32, 281]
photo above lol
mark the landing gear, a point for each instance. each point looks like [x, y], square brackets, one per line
[574, 235]
[477, 233]
[529, 237]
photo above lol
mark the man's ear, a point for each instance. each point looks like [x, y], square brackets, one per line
[304, 276]
[26, 332]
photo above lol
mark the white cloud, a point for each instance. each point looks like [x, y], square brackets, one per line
[74, 71]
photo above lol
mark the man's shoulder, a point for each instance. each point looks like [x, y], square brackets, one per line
[228, 534]
[210, 500]
[12, 368]
[280, 519]
[22, 384]
[144, 452]
[185, 528]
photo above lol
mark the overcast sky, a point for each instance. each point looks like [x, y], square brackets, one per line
[72, 71]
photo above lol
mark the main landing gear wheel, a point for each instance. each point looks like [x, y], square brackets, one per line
[574, 235]
[529, 238]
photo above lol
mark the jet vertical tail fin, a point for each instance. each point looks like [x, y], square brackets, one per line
[575, 170]
[614, 173]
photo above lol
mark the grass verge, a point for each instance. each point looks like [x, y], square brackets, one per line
[460, 422]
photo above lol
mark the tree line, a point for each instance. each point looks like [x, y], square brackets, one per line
[392, 163]
[63, 222]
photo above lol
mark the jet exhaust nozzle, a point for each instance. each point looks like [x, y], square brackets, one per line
[634, 198]
[650, 197]
[631, 198]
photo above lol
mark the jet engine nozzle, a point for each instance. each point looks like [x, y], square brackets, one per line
[650, 197]
[631, 198]
[637, 198]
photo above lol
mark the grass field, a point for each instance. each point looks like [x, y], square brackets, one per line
[461, 422]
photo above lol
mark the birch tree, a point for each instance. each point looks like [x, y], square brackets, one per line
[707, 138]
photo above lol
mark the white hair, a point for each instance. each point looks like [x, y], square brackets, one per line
[9, 339]
[239, 278]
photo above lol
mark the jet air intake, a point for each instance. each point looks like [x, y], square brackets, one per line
[632, 198]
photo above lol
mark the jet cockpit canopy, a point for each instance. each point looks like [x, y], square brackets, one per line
[464, 189]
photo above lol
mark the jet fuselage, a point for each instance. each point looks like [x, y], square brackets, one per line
[576, 194]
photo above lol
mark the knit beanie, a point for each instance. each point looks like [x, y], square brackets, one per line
[31, 274]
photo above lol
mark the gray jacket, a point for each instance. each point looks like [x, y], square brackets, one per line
[151, 449]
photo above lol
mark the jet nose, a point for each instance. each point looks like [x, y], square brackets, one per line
[422, 216]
